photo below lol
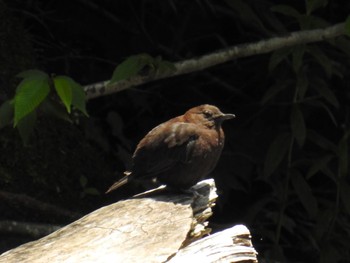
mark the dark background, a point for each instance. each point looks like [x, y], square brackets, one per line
[297, 211]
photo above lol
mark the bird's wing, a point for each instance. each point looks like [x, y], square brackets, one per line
[163, 148]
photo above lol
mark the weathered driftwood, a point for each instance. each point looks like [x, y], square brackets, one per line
[147, 229]
[231, 245]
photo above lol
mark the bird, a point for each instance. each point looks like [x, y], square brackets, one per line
[181, 151]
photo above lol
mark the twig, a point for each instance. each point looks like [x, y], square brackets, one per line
[219, 57]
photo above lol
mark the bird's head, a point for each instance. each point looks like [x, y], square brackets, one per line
[207, 115]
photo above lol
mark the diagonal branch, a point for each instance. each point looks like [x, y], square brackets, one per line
[219, 57]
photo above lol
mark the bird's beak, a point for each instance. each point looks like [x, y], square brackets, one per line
[226, 116]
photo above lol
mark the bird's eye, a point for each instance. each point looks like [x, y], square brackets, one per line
[208, 114]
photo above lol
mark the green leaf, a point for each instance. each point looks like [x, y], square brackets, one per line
[79, 98]
[347, 26]
[304, 193]
[322, 59]
[321, 141]
[63, 86]
[286, 10]
[30, 93]
[6, 114]
[298, 125]
[321, 87]
[276, 153]
[298, 54]
[26, 126]
[277, 57]
[318, 165]
[32, 73]
[131, 67]
[312, 5]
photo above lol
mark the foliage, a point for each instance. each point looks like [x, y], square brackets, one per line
[306, 167]
[133, 65]
[32, 95]
[34, 89]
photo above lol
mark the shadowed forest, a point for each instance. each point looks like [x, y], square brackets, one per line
[284, 171]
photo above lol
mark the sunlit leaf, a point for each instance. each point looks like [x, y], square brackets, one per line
[276, 153]
[304, 193]
[298, 125]
[63, 86]
[26, 126]
[79, 98]
[131, 67]
[30, 93]
[6, 114]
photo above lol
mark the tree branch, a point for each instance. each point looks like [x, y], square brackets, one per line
[219, 57]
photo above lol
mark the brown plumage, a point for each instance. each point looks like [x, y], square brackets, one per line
[181, 151]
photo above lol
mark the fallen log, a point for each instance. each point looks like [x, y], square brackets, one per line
[154, 227]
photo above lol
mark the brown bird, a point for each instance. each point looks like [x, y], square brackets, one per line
[181, 151]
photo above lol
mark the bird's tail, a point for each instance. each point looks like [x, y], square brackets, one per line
[121, 182]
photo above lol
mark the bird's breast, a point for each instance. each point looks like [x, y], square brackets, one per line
[211, 140]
